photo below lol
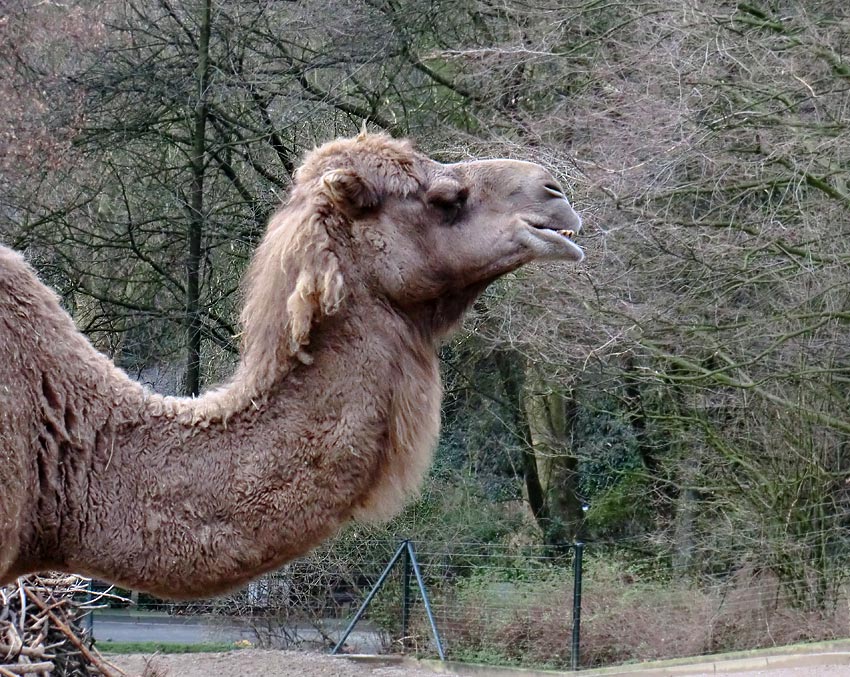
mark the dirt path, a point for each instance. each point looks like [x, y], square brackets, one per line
[813, 671]
[258, 663]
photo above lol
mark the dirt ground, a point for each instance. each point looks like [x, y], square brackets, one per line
[258, 663]
[811, 671]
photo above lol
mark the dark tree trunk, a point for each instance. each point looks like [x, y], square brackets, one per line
[196, 212]
[551, 414]
[511, 369]
[542, 426]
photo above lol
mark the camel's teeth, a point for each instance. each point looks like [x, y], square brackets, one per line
[567, 233]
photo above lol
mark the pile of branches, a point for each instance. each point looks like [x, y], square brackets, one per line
[41, 633]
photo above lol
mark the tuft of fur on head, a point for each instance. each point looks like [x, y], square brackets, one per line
[366, 168]
[296, 277]
[294, 280]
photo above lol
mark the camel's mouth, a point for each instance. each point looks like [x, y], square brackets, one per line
[554, 243]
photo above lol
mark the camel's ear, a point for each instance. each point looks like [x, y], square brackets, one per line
[349, 191]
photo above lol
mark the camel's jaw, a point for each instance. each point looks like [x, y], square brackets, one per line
[552, 238]
[551, 244]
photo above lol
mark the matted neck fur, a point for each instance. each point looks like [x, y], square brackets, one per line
[333, 411]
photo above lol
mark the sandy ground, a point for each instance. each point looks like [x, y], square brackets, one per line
[813, 671]
[258, 663]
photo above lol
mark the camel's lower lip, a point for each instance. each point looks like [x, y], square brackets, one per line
[559, 242]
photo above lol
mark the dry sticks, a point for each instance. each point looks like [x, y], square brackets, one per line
[40, 629]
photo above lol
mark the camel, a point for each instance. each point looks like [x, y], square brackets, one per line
[332, 413]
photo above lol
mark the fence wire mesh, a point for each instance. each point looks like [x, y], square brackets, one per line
[512, 604]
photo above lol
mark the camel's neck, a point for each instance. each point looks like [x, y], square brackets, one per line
[185, 498]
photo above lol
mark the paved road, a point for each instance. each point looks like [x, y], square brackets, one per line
[189, 630]
[140, 627]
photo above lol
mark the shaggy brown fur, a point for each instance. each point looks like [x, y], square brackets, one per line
[332, 414]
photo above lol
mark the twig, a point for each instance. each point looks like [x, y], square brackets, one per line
[35, 652]
[25, 668]
[102, 665]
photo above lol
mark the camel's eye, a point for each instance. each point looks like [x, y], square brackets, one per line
[449, 199]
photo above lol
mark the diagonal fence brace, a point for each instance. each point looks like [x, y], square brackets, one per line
[405, 548]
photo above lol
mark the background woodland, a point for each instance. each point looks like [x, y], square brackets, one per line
[681, 400]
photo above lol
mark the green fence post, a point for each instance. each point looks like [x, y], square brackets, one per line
[576, 640]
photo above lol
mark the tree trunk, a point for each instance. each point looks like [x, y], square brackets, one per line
[542, 425]
[684, 525]
[551, 414]
[637, 415]
[512, 370]
[196, 212]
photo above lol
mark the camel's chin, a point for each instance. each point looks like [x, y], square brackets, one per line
[551, 245]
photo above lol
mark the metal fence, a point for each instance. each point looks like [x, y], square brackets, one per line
[406, 557]
[471, 589]
[521, 604]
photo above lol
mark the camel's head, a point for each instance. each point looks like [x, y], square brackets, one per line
[372, 216]
[431, 236]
